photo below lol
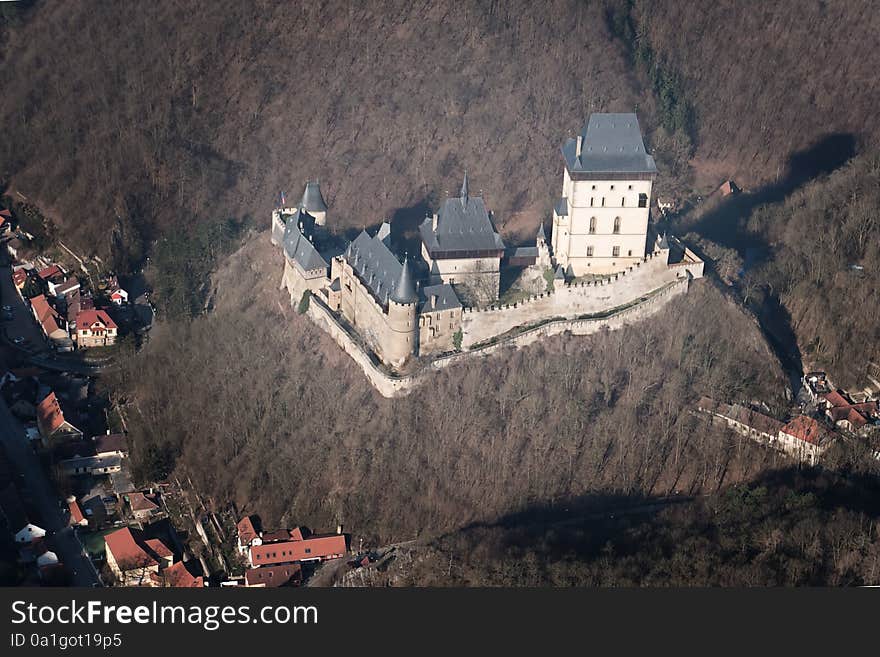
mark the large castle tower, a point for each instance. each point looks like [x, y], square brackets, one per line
[600, 223]
[402, 320]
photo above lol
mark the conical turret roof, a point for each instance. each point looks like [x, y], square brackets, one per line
[312, 200]
[405, 290]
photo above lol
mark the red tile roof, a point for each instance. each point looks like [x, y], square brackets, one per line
[806, 429]
[246, 530]
[317, 547]
[42, 309]
[179, 577]
[76, 513]
[158, 548]
[140, 502]
[126, 550]
[88, 318]
[835, 398]
[848, 413]
[19, 276]
[50, 272]
[272, 576]
[49, 414]
[6, 213]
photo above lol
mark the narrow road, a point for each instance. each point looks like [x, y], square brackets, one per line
[64, 540]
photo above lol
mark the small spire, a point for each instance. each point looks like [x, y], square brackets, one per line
[405, 291]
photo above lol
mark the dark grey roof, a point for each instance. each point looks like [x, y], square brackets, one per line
[405, 290]
[561, 208]
[463, 224]
[443, 297]
[523, 252]
[298, 248]
[335, 285]
[664, 243]
[612, 143]
[312, 201]
[376, 266]
[560, 273]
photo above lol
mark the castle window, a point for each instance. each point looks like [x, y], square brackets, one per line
[594, 187]
[612, 188]
[589, 251]
[616, 225]
[592, 225]
[615, 251]
[629, 186]
[630, 252]
[643, 200]
[622, 201]
[603, 201]
[591, 201]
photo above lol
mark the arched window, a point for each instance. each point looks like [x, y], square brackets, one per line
[616, 225]
[592, 225]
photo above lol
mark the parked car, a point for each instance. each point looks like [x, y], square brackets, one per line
[17, 339]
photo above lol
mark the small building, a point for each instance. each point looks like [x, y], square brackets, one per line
[313, 548]
[52, 273]
[91, 465]
[111, 444]
[117, 296]
[51, 423]
[48, 319]
[94, 328]
[77, 515]
[274, 576]
[143, 506]
[728, 187]
[64, 289]
[19, 277]
[134, 560]
[179, 576]
[804, 438]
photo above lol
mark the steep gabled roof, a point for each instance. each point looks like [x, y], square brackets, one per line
[612, 143]
[299, 248]
[127, 550]
[88, 318]
[178, 576]
[377, 267]
[438, 297]
[463, 224]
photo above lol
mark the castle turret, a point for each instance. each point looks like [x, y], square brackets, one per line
[402, 304]
[313, 202]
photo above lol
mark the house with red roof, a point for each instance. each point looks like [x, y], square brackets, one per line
[143, 506]
[51, 273]
[804, 438]
[48, 318]
[274, 576]
[849, 415]
[134, 560]
[77, 515]
[94, 328]
[19, 277]
[283, 547]
[51, 423]
[178, 576]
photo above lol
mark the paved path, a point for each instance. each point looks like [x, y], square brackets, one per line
[65, 541]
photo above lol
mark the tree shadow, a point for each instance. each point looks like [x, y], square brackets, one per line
[726, 223]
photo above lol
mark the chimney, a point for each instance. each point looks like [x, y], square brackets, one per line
[434, 222]
[433, 300]
[338, 529]
[580, 145]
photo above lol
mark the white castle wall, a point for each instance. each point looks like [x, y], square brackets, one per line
[390, 385]
[570, 301]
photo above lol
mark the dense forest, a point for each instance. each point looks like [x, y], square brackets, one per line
[167, 129]
[788, 528]
[259, 407]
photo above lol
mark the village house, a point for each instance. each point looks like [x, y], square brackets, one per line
[179, 576]
[805, 439]
[849, 415]
[274, 576]
[117, 295]
[48, 319]
[746, 421]
[135, 560]
[286, 546]
[462, 248]
[94, 328]
[24, 532]
[143, 506]
[51, 274]
[64, 289]
[600, 223]
[19, 277]
[51, 423]
[77, 514]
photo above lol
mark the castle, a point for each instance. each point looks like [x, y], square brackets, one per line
[449, 299]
